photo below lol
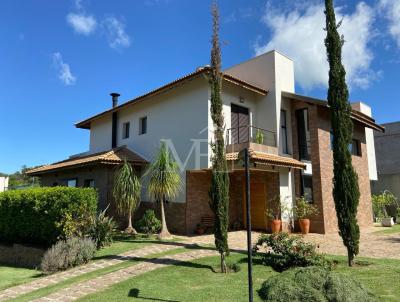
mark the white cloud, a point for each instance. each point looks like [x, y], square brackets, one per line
[81, 23]
[116, 35]
[391, 9]
[63, 69]
[299, 33]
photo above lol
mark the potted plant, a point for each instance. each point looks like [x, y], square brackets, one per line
[379, 204]
[259, 137]
[304, 210]
[274, 213]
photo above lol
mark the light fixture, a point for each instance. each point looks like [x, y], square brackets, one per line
[241, 99]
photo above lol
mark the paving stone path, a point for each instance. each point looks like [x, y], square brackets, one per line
[82, 289]
[19, 290]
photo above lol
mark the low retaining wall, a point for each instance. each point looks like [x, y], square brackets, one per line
[21, 255]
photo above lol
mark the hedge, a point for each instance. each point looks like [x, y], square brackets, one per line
[44, 215]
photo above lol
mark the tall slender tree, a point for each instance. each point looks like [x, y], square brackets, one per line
[345, 180]
[164, 182]
[219, 191]
[127, 193]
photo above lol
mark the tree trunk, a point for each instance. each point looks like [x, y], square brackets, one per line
[350, 258]
[130, 229]
[223, 264]
[164, 229]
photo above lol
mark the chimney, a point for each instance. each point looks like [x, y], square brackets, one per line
[114, 96]
[114, 120]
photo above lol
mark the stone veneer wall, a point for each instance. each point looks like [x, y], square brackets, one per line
[322, 169]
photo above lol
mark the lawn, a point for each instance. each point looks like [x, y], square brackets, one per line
[197, 281]
[10, 276]
[389, 230]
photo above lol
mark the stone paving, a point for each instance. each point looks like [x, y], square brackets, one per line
[16, 291]
[371, 244]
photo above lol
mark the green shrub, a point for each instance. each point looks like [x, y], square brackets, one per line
[66, 254]
[234, 267]
[103, 230]
[313, 284]
[149, 223]
[282, 251]
[44, 215]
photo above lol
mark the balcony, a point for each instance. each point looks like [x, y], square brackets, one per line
[255, 138]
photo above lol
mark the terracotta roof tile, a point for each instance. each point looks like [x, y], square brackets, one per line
[114, 156]
[267, 158]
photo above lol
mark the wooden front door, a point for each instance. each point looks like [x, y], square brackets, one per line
[258, 198]
[239, 124]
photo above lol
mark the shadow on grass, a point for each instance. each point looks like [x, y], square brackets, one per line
[134, 293]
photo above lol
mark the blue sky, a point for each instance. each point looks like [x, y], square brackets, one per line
[59, 60]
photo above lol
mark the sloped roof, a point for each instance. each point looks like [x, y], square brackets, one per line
[85, 124]
[271, 159]
[114, 156]
[355, 115]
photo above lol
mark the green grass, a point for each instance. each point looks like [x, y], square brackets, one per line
[197, 281]
[389, 230]
[11, 276]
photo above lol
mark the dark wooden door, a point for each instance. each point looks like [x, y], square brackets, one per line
[239, 124]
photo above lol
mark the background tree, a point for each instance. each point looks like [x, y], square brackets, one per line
[126, 192]
[164, 182]
[345, 181]
[219, 192]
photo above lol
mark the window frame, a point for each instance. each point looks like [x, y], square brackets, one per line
[309, 198]
[87, 182]
[141, 128]
[126, 130]
[284, 129]
[72, 179]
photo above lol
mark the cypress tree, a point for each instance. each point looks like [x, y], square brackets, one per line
[345, 181]
[219, 191]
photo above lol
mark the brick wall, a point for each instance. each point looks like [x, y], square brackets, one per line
[322, 169]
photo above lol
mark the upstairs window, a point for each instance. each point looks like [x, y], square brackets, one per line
[303, 134]
[355, 147]
[143, 125]
[125, 130]
[284, 139]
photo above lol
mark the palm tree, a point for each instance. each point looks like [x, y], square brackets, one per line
[164, 182]
[127, 193]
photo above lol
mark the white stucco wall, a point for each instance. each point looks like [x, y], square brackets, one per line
[369, 139]
[178, 116]
[3, 183]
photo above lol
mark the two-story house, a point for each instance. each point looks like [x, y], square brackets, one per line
[288, 135]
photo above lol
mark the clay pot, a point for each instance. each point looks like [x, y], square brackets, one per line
[276, 225]
[304, 226]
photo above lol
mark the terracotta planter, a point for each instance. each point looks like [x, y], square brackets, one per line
[304, 226]
[276, 225]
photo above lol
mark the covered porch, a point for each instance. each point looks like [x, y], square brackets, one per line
[270, 176]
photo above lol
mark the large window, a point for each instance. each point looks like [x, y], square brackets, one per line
[143, 125]
[125, 130]
[303, 133]
[307, 187]
[73, 182]
[285, 148]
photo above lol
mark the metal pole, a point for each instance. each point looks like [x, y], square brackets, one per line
[248, 220]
